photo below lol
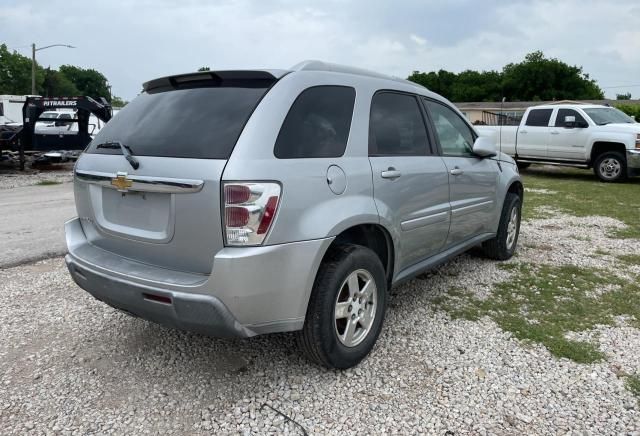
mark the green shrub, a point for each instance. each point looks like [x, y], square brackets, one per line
[632, 110]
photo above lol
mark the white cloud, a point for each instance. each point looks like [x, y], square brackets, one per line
[418, 40]
[134, 41]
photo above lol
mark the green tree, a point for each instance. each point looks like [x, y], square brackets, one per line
[440, 82]
[538, 77]
[88, 81]
[477, 86]
[118, 102]
[56, 84]
[633, 110]
[535, 78]
[15, 73]
[626, 96]
[15, 78]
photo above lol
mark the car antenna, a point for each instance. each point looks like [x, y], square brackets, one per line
[501, 120]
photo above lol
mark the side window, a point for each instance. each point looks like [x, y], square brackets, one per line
[456, 138]
[317, 124]
[62, 117]
[539, 117]
[396, 126]
[568, 113]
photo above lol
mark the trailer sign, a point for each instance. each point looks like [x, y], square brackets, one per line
[60, 103]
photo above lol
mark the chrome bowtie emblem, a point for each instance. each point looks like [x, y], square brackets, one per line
[121, 183]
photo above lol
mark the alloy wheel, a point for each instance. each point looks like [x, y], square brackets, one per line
[355, 308]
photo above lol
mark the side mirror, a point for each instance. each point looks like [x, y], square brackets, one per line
[569, 121]
[484, 147]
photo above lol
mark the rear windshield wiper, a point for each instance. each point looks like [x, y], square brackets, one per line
[126, 151]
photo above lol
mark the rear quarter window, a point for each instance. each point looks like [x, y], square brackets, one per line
[539, 117]
[201, 123]
[318, 124]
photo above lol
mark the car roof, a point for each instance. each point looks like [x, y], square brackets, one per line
[569, 106]
[315, 66]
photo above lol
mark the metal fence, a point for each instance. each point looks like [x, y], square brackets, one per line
[505, 118]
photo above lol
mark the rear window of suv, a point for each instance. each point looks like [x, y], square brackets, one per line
[200, 123]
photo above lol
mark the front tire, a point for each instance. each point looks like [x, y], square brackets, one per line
[346, 309]
[503, 246]
[611, 166]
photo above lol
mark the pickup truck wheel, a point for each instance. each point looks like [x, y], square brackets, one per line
[611, 167]
[346, 309]
[503, 246]
[523, 165]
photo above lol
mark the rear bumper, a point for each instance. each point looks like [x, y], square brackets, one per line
[252, 290]
[633, 162]
[199, 313]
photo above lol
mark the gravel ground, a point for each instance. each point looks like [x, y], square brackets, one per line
[71, 365]
[12, 178]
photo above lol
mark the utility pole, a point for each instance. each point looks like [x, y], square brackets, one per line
[33, 62]
[33, 69]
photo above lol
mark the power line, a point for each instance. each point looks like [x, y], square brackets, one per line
[621, 86]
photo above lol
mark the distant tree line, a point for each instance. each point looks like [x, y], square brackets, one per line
[68, 80]
[536, 78]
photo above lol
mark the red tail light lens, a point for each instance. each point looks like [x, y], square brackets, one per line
[236, 216]
[236, 194]
[267, 217]
[249, 211]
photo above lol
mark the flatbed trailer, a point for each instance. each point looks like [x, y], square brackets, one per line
[25, 140]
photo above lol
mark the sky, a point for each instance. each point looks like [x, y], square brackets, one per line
[131, 42]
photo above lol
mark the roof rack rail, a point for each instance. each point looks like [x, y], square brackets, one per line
[314, 65]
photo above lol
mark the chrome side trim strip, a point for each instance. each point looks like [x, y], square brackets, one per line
[141, 183]
[424, 221]
[471, 208]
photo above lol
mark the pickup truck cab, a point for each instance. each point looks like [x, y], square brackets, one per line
[588, 136]
[55, 122]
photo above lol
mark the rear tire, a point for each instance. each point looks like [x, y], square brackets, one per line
[523, 165]
[503, 246]
[339, 331]
[611, 166]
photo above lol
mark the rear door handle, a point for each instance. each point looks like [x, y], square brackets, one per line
[522, 131]
[390, 173]
[555, 132]
[456, 172]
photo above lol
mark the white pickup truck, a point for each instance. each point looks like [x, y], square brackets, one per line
[587, 136]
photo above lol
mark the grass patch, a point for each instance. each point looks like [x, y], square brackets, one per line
[580, 193]
[630, 259]
[542, 304]
[48, 182]
[581, 238]
[632, 383]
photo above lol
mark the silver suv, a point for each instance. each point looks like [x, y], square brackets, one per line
[238, 203]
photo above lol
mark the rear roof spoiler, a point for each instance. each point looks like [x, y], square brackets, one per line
[213, 78]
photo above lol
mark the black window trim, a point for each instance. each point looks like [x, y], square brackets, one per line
[538, 110]
[557, 114]
[474, 135]
[431, 150]
[355, 97]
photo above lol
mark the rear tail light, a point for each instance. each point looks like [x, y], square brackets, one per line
[638, 141]
[235, 194]
[249, 210]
